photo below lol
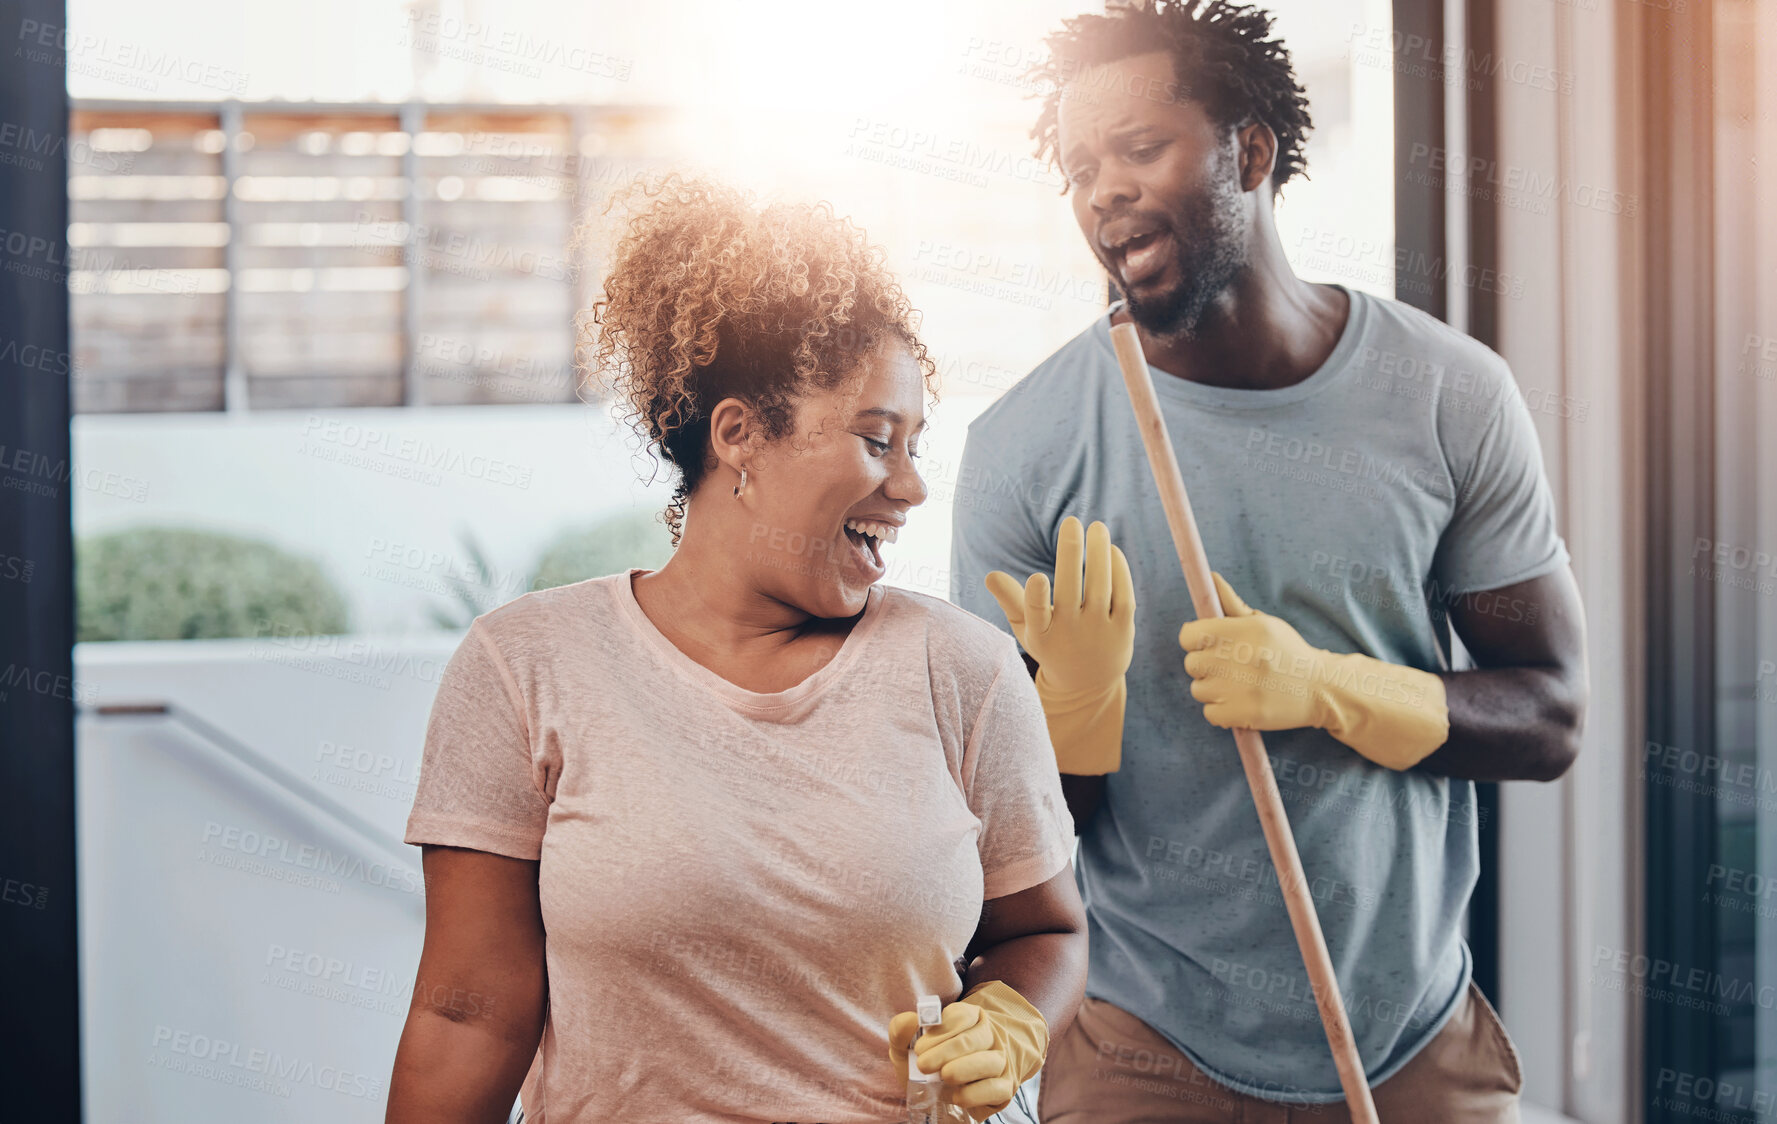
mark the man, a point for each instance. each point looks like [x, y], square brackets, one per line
[1367, 480]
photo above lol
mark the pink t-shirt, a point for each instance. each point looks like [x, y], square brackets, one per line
[740, 889]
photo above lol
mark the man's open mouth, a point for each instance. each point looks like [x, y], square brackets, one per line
[1143, 256]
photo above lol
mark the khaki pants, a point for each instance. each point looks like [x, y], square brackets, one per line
[1112, 1068]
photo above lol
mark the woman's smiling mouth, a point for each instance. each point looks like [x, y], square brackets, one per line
[866, 537]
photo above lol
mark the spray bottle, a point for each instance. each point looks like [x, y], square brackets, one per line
[925, 1100]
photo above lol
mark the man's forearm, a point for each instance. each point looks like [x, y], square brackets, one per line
[1509, 724]
[1506, 724]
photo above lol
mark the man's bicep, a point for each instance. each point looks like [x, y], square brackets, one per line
[1538, 622]
[1503, 523]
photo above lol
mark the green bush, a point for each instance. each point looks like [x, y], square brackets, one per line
[171, 583]
[610, 546]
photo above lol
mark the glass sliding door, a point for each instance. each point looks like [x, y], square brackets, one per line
[1710, 979]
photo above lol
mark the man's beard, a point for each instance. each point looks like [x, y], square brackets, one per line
[1209, 235]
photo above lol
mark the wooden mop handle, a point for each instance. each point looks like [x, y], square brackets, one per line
[1259, 778]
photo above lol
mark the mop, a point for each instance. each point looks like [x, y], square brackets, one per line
[1278, 837]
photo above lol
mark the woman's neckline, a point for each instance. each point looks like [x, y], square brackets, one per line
[733, 693]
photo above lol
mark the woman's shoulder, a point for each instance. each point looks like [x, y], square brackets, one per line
[544, 615]
[956, 639]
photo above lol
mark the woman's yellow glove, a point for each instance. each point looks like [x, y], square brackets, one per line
[1251, 670]
[990, 1042]
[1083, 644]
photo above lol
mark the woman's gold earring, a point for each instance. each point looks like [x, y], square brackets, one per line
[742, 484]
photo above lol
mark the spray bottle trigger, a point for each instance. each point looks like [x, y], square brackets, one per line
[931, 1014]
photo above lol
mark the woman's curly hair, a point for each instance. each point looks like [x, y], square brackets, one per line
[1223, 57]
[710, 296]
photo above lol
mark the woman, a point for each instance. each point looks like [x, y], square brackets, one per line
[693, 838]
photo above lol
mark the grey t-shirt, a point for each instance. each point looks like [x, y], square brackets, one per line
[1352, 504]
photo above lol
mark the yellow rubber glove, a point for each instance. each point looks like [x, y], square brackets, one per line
[990, 1042]
[1083, 644]
[1253, 670]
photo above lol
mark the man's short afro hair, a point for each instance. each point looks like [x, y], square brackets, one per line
[1223, 57]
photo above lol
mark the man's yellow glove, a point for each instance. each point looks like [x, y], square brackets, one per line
[1253, 670]
[991, 1042]
[1083, 644]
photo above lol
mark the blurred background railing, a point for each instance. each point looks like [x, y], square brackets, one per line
[249, 911]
